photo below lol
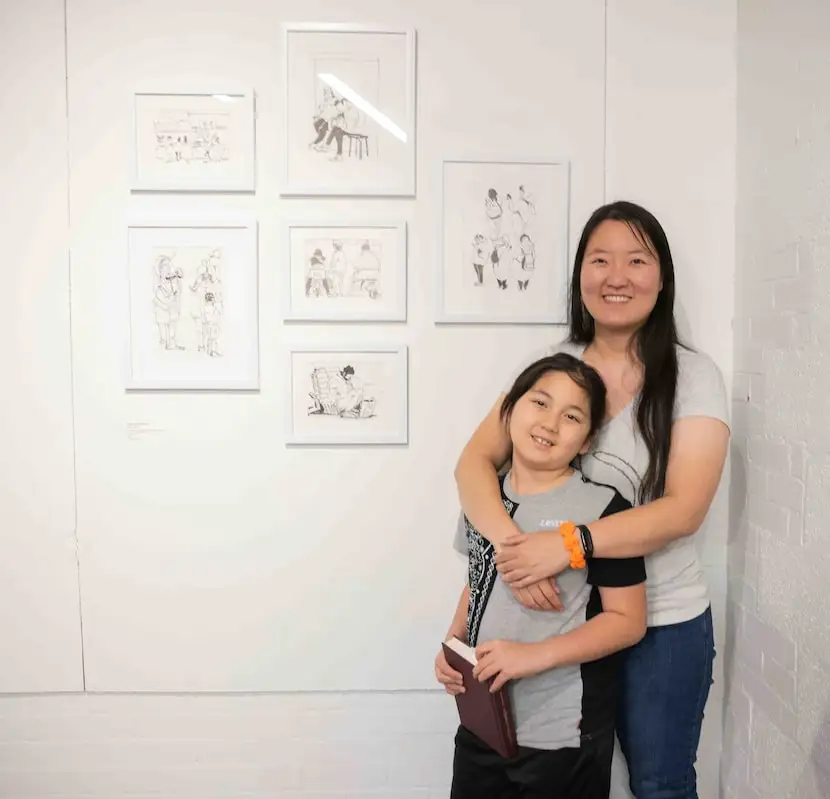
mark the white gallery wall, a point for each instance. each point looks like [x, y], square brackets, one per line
[283, 604]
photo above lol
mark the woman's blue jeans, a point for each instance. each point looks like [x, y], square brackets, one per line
[666, 681]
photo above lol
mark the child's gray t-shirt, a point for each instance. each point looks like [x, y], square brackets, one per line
[552, 709]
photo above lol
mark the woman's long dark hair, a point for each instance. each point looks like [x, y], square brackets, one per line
[654, 344]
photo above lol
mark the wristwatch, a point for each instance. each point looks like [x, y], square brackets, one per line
[586, 540]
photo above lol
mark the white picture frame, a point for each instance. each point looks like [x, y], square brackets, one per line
[193, 139]
[348, 395]
[503, 259]
[192, 303]
[349, 110]
[344, 269]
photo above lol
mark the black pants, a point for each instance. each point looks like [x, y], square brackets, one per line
[481, 773]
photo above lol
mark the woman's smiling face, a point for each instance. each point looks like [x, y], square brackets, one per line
[620, 277]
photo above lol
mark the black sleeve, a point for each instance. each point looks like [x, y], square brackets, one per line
[616, 572]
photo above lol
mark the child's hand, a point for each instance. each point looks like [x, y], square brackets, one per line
[452, 680]
[507, 660]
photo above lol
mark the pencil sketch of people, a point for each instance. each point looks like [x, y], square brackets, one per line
[323, 117]
[499, 261]
[206, 308]
[366, 272]
[337, 392]
[525, 261]
[187, 137]
[521, 210]
[526, 205]
[316, 282]
[211, 321]
[493, 211]
[478, 257]
[336, 119]
[167, 301]
[507, 245]
[336, 273]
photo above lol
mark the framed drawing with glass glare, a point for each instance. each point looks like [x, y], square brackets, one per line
[504, 241]
[193, 140]
[345, 269]
[349, 110]
[192, 319]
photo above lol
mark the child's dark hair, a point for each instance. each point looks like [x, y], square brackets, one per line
[586, 377]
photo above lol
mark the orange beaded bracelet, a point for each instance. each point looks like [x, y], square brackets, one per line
[568, 532]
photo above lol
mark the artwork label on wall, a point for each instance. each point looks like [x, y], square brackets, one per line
[348, 396]
[344, 270]
[504, 243]
[193, 141]
[349, 119]
[193, 320]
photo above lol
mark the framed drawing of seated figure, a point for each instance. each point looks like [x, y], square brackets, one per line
[349, 111]
[348, 394]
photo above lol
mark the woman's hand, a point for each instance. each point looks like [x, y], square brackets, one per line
[527, 559]
[543, 595]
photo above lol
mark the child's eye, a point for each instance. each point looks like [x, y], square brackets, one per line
[572, 418]
[638, 261]
[598, 261]
[540, 403]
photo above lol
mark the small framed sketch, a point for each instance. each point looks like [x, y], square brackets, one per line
[349, 110]
[348, 395]
[193, 141]
[504, 242]
[193, 320]
[344, 270]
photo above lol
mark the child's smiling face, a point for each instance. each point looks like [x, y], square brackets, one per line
[551, 423]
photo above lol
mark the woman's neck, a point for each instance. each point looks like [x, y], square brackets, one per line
[611, 346]
[525, 479]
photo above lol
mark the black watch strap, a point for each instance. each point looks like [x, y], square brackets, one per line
[586, 540]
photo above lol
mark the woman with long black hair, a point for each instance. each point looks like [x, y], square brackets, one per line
[662, 445]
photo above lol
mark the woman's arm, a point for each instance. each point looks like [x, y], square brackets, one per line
[476, 475]
[621, 624]
[696, 458]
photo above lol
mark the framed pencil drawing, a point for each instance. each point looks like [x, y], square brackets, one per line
[193, 140]
[344, 270]
[349, 110]
[504, 241]
[192, 319]
[348, 395]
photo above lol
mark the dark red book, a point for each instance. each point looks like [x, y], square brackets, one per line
[486, 715]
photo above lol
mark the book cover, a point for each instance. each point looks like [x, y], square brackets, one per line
[487, 715]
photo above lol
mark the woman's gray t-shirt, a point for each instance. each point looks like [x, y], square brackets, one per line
[676, 585]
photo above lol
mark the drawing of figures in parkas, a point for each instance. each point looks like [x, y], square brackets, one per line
[505, 251]
[344, 268]
[202, 302]
[338, 392]
[337, 119]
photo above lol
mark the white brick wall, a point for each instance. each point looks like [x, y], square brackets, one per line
[777, 717]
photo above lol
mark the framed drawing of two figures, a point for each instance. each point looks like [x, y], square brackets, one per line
[349, 111]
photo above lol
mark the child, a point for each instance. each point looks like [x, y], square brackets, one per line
[560, 667]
